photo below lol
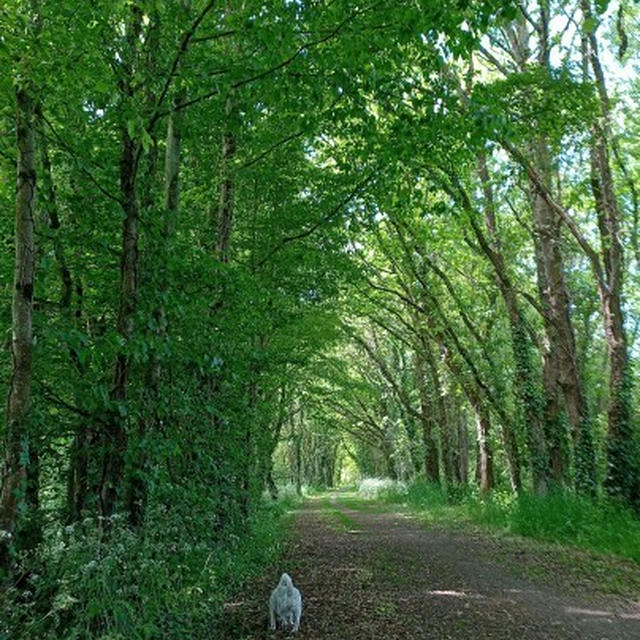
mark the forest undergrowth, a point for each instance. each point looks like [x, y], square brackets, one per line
[172, 583]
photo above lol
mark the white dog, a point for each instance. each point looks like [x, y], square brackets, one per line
[285, 604]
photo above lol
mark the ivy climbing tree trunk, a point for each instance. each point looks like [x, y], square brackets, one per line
[623, 470]
[527, 391]
[550, 278]
[225, 204]
[18, 495]
[428, 418]
[114, 430]
[561, 370]
[163, 220]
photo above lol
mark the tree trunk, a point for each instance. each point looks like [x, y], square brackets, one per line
[622, 464]
[448, 443]
[50, 206]
[389, 463]
[298, 463]
[484, 461]
[172, 164]
[114, 431]
[529, 396]
[463, 449]
[441, 415]
[226, 204]
[475, 389]
[151, 421]
[17, 511]
[250, 459]
[273, 437]
[271, 484]
[78, 474]
[561, 372]
[429, 420]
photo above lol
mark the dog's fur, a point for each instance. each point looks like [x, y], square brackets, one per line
[285, 605]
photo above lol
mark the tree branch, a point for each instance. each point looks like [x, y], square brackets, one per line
[323, 220]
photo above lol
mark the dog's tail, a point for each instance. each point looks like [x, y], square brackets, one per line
[285, 581]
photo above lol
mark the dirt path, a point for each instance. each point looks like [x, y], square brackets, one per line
[382, 576]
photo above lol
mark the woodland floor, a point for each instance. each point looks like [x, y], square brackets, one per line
[372, 574]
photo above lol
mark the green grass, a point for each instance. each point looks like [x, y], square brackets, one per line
[351, 500]
[565, 518]
[336, 518]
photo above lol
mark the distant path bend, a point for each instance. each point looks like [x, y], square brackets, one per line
[381, 576]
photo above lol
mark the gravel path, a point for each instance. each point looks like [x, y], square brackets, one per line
[382, 576]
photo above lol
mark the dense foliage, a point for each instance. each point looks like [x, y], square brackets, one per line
[270, 242]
